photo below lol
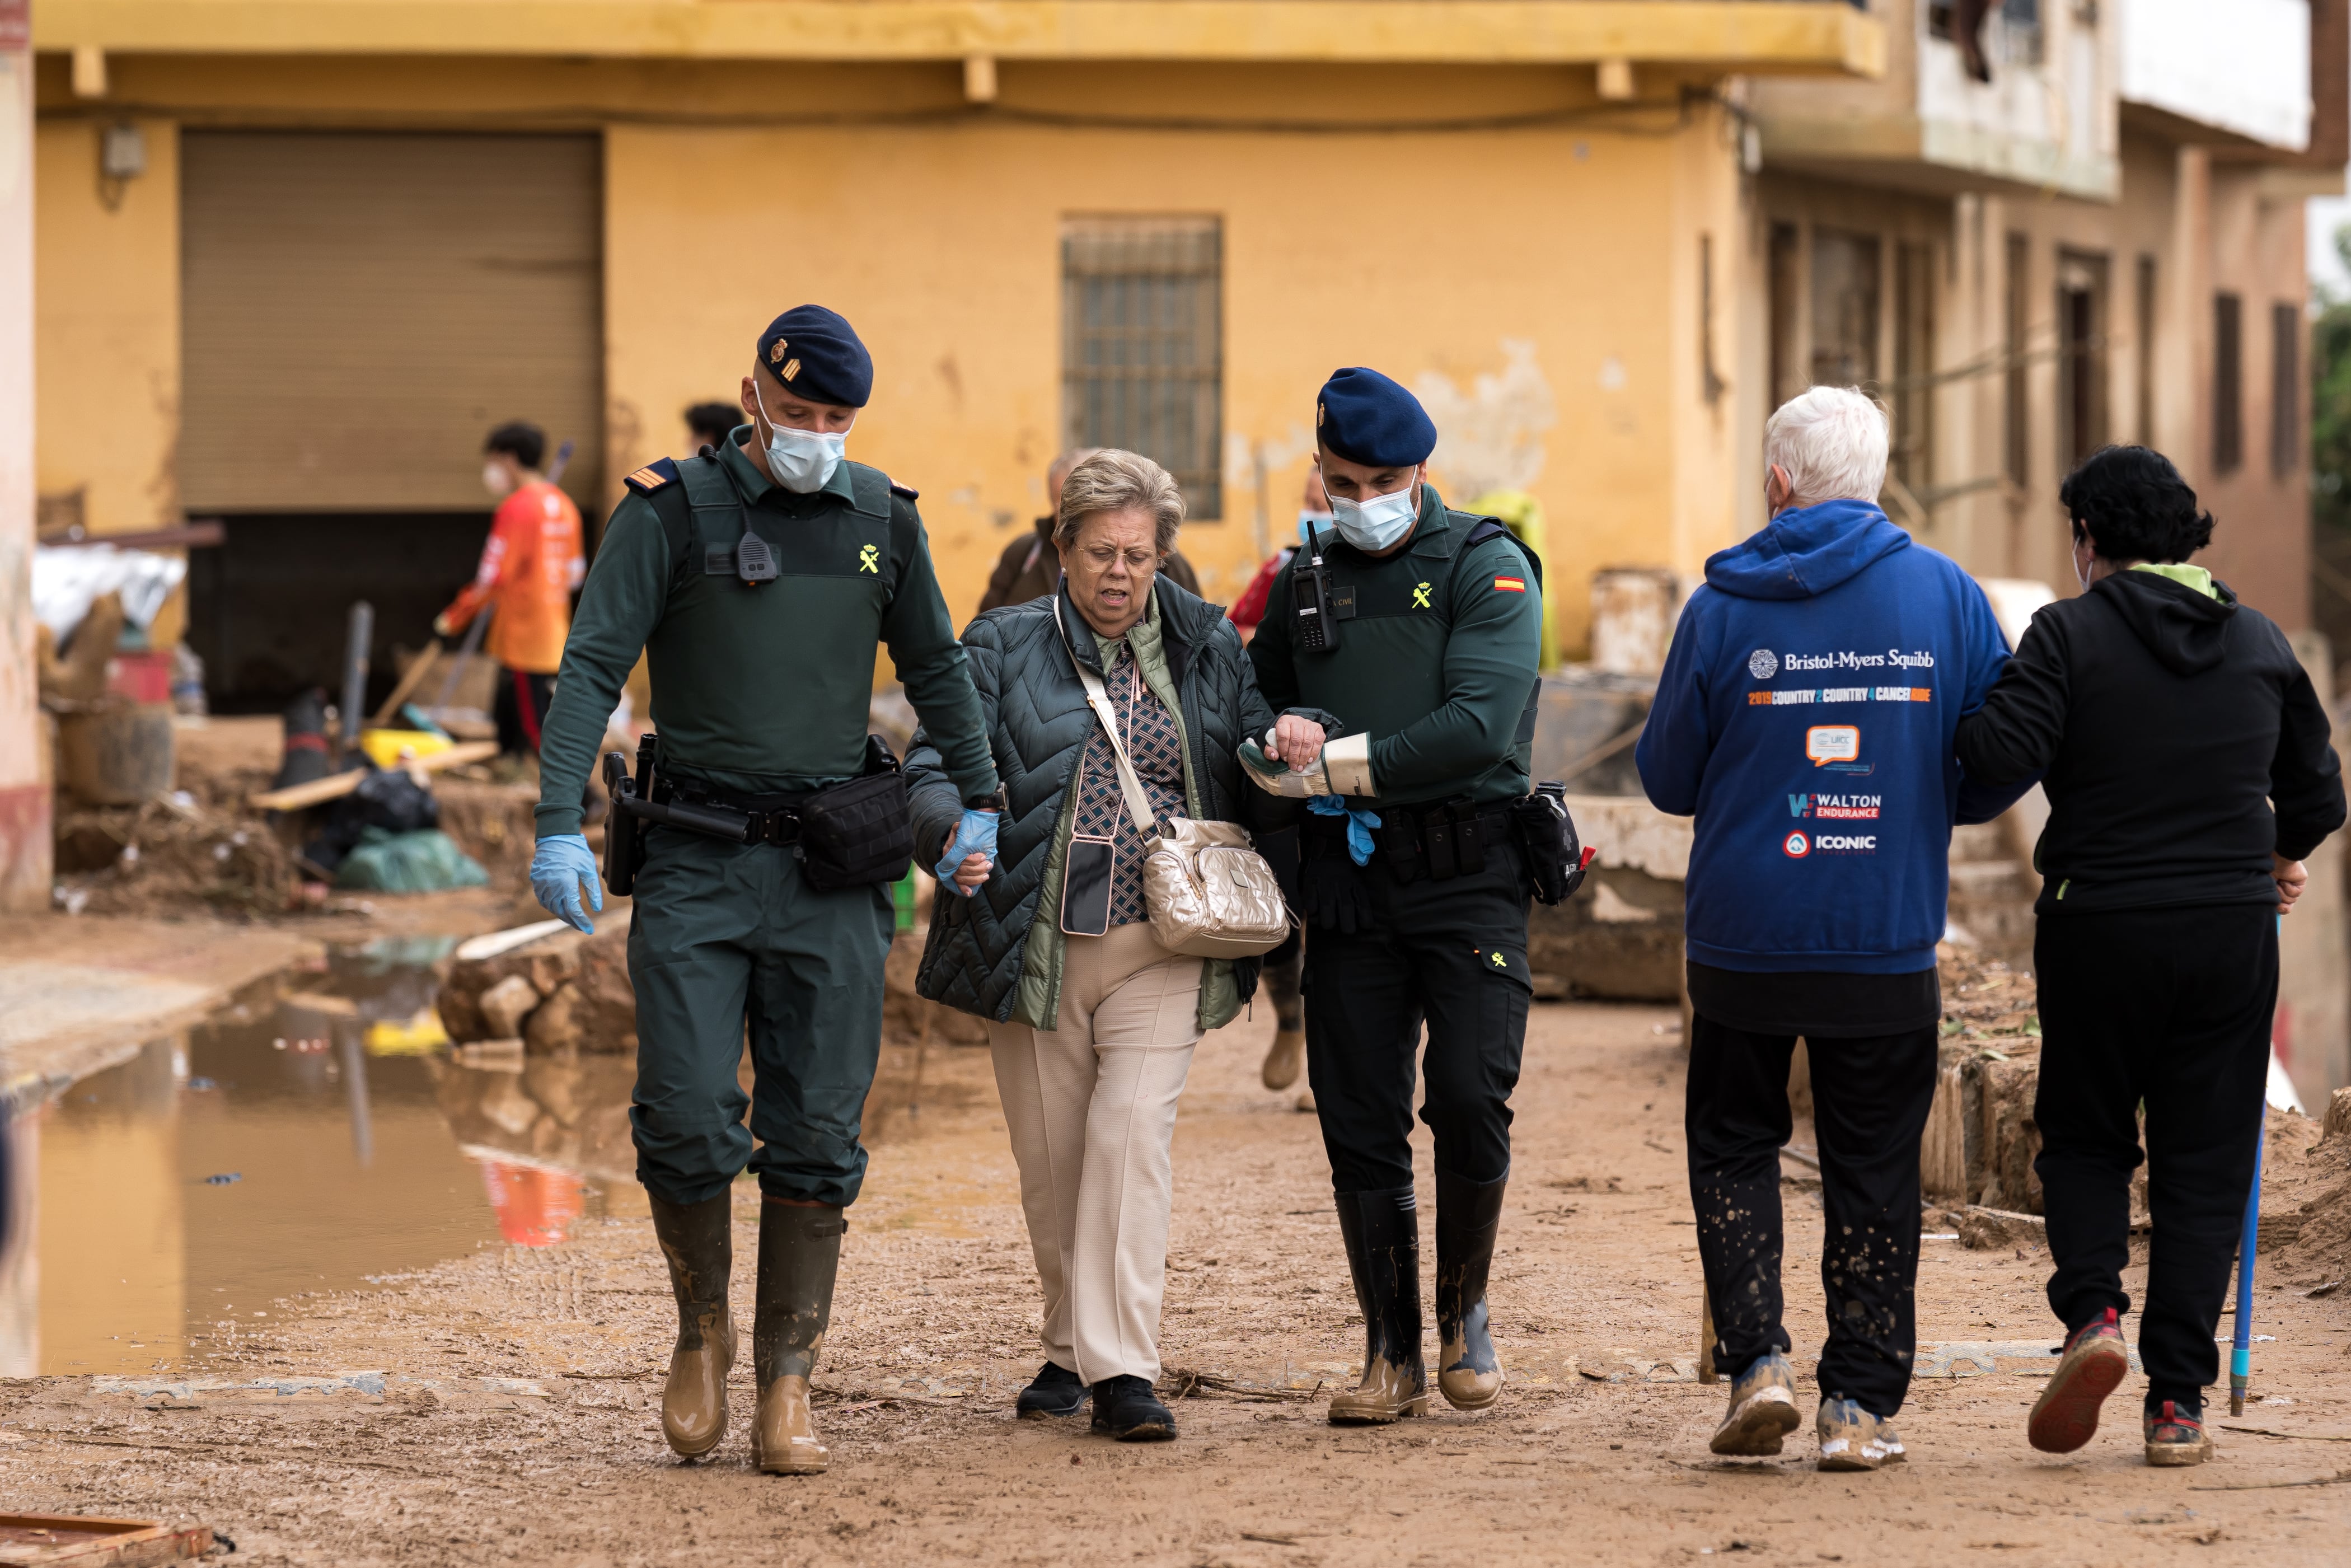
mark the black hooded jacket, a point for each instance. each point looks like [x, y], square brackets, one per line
[2182, 741]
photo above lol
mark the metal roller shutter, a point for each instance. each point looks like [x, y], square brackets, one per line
[360, 309]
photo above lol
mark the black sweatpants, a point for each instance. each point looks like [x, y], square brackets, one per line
[518, 706]
[1870, 1100]
[2170, 1008]
[1454, 952]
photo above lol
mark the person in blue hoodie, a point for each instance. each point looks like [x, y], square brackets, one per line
[1805, 717]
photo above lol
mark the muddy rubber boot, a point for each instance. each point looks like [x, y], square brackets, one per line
[1284, 1058]
[800, 1254]
[1469, 1217]
[1381, 1230]
[1286, 1055]
[698, 1243]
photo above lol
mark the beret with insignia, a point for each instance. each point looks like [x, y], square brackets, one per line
[816, 353]
[1366, 418]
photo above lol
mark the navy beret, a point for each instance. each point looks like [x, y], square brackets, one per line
[1366, 418]
[816, 353]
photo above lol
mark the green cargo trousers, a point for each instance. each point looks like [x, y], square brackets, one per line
[725, 934]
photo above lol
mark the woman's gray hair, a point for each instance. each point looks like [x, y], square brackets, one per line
[1110, 480]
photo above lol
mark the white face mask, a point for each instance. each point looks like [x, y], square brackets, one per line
[1379, 523]
[494, 478]
[802, 461]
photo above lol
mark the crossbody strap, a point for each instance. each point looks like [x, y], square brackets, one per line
[1138, 805]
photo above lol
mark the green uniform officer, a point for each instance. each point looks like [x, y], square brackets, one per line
[1413, 637]
[757, 581]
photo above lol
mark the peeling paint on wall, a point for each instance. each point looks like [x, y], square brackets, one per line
[1491, 438]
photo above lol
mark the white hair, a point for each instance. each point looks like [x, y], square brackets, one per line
[1832, 442]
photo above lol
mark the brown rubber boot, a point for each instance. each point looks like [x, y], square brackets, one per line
[1469, 1218]
[1284, 1058]
[799, 1255]
[699, 1245]
[1382, 1231]
[1288, 1055]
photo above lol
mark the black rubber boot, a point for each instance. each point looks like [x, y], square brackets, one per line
[1382, 1231]
[799, 1256]
[698, 1243]
[1469, 1217]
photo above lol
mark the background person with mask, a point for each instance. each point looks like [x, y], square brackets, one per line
[1414, 880]
[710, 424]
[2188, 774]
[1804, 717]
[1029, 568]
[531, 566]
[758, 580]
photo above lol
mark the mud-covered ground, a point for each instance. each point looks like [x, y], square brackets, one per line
[516, 1419]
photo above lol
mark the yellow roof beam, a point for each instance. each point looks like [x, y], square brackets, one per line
[1746, 35]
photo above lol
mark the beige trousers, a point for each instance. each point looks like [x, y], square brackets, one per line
[1091, 1106]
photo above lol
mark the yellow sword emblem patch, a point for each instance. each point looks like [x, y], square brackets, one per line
[1420, 597]
[868, 559]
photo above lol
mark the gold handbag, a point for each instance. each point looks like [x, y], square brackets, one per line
[1210, 894]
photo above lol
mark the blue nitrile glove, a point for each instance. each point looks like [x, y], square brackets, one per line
[1360, 825]
[558, 867]
[975, 834]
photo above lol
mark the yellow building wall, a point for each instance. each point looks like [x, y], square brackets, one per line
[106, 311]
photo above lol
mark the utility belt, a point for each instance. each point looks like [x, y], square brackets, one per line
[858, 834]
[1453, 839]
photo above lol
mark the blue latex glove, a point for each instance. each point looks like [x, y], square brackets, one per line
[975, 834]
[557, 869]
[1360, 825]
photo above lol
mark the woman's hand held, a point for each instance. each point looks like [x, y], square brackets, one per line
[2292, 876]
[1296, 741]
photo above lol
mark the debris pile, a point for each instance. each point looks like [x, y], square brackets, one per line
[172, 854]
[2306, 1197]
[563, 992]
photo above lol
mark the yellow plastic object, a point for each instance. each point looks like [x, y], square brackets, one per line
[390, 748]
[420, 1036]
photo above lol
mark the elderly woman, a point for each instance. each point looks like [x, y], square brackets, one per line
[1091, 1021]
[2188, 774]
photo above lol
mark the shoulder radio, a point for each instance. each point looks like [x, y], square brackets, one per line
[1311, 598]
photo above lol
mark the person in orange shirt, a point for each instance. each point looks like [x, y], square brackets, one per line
[531, 566]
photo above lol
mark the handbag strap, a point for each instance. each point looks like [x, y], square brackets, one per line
[1138, 805]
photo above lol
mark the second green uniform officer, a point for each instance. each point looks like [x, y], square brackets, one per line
[1413, 637]
[758, 580]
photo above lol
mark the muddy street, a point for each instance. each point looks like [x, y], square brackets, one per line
[501, 1403]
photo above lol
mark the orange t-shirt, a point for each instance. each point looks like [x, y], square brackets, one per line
[531, 567]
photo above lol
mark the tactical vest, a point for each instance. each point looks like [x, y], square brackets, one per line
[1394, 618]
[798, 649]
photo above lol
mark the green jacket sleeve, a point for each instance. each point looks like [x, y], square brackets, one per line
[619, 605]
[1490, 660]
[921, 643]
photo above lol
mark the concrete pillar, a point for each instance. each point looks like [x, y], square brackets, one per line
[25, 792]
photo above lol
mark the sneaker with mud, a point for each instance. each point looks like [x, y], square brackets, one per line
[1890, 1443]
[1762, 1410]
[2175, 1434]
[2065, 1416]
[1851, 1437]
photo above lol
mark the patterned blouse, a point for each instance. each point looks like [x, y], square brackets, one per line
[1155, 746]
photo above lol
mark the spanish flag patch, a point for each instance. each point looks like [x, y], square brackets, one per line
[1509, 585]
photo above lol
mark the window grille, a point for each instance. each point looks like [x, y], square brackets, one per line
[2285, 390]
[1142, 345]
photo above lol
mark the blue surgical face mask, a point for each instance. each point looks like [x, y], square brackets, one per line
[1379, 523]
[802, 461]
[1311, 522]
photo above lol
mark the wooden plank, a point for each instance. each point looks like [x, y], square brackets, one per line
[295, 797]
[409, 681]
[74, 1541]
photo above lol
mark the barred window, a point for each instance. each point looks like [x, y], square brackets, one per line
[1142, 345]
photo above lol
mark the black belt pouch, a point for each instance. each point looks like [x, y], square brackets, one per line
[861, 833]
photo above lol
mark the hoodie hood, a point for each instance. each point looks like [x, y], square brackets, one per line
[2187, 631]
[1807, 551]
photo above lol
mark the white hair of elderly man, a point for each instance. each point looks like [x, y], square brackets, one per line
[1832, 442]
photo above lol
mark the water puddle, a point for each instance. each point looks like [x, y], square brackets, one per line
[312, 1135]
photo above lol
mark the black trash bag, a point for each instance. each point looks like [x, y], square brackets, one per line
[394, 801]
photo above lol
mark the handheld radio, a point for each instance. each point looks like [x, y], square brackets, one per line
[1318, 627]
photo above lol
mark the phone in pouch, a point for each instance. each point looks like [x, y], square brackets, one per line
[1086, 886]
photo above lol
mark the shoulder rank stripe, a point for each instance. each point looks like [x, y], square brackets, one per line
[1509, 585]
[653, 477]
[906, 490]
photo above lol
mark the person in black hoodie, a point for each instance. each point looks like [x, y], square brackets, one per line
[2185, 755]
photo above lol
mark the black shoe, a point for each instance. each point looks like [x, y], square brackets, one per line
[1055, 1392]
[1126, 1409]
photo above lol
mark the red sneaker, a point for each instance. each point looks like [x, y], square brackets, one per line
[2176, 1435]
[2065, 1416]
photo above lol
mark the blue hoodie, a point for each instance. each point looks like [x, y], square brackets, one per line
[1804, 717]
